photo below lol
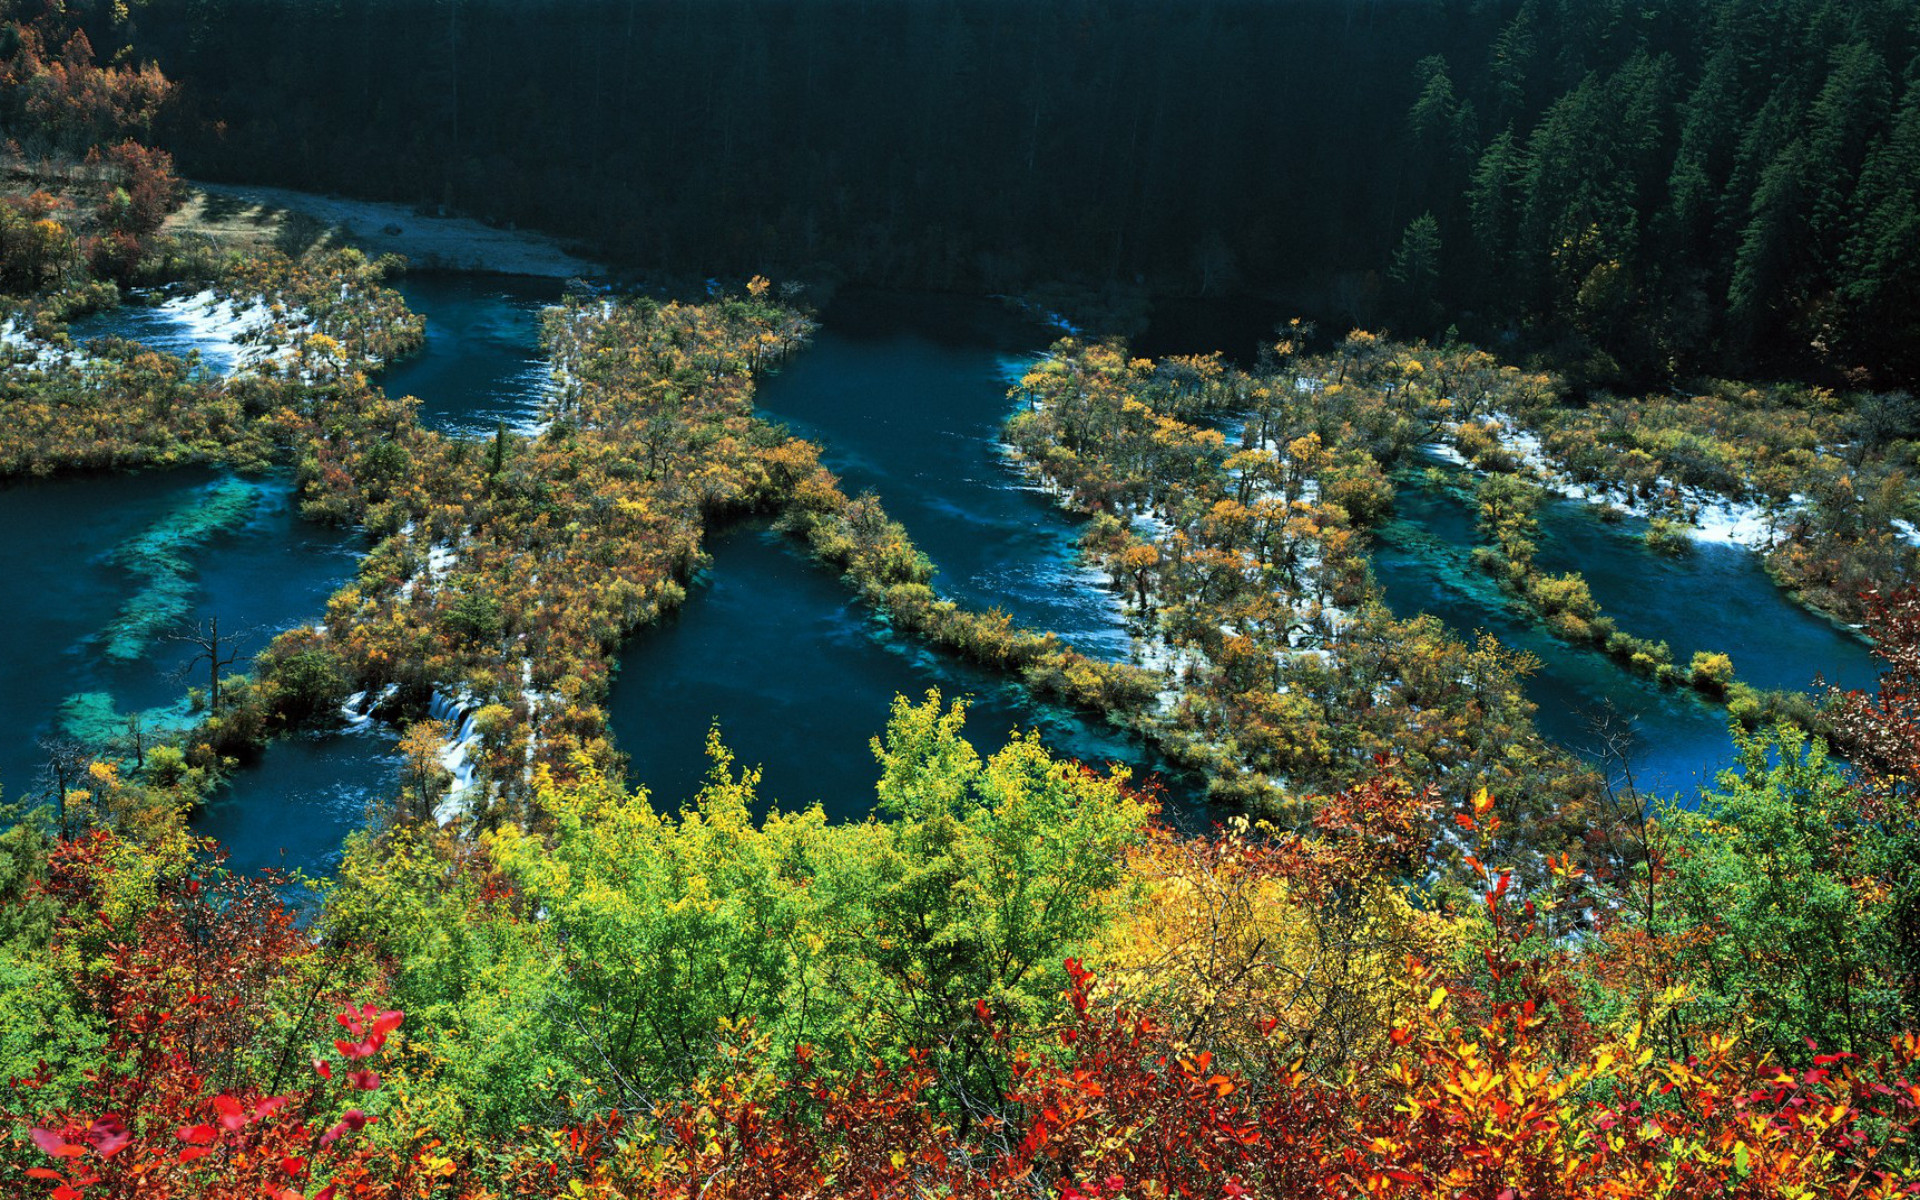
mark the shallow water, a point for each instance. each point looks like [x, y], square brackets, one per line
[1719, 598]
[104, 568]
[482, 363]
[906, 395]
[106, 565]
[799, 676]
[178, 328]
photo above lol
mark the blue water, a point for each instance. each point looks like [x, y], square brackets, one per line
[482, 362]
[294, 808]
[799, 676]
[157, 329]
[68, 582]
[1714, 598]
[906, 395]
[1718, 598]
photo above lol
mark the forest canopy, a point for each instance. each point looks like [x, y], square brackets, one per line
[1685, 184]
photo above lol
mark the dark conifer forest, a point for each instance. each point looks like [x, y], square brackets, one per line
[959, 599]
[1668, 183]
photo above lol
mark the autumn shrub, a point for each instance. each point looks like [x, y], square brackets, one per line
[1668, 538]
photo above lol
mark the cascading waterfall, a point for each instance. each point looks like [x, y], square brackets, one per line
[457, 753]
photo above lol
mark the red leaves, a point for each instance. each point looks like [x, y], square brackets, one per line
[375, 1028]
[53, 1144]
[192, 992]
[109, 1136]
[351, 1121]
[232, 1116]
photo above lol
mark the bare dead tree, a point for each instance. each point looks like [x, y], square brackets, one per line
[64, 765]
[135, 739]
[1630, 825]
[215, 650]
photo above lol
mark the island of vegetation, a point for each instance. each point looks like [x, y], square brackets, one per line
[1408, 947]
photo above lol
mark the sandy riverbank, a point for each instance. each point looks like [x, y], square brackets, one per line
[264, 216]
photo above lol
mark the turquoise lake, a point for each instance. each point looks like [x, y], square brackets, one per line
[1713, 598]
[109, 566]
[906, 394]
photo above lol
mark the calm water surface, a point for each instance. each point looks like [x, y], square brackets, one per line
[1717, 598]
[906, 395]
[798, 676]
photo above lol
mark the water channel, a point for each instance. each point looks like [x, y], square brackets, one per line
[1715, 598]
[906, 394]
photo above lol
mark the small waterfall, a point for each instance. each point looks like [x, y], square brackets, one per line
[456, 754]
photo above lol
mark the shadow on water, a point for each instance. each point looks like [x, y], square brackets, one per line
[799, 677]
[1719, 598]
[906, 395]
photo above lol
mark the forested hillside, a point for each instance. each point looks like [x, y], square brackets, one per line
[1341, 915]
[1675, 184]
